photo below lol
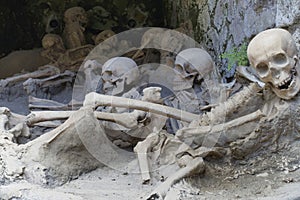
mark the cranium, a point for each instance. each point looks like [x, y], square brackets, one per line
[273, 54]
[75, 14]
[104, 35]
[117, 73]
[191, 63]
[53, 41]
[152, 38]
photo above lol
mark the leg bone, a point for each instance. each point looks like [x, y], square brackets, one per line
[195, 166]
[141, 149]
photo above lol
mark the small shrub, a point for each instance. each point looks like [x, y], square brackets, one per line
[236, 56]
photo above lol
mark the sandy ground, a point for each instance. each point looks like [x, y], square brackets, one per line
[108, 184]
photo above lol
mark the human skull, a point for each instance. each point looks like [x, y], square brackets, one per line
[53, 41]
[75, 14]
[117, 73]
[152, 38]
[172, 41]
[104, 35]
[190, 64]
[274, 56]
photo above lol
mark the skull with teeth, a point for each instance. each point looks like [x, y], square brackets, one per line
[274, 56]
[193, 63]
[192, 69]
[117, 73]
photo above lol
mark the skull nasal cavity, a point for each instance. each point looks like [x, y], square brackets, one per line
[275, 72]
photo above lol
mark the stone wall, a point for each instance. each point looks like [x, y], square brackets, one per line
[220, 25]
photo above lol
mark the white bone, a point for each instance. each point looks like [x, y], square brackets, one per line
[128, 120]
[273, 54]
[43, 72]
[247, 73]
[93, 99]
[195, 166]
[37, 103]
[142, 149]
[191, 132]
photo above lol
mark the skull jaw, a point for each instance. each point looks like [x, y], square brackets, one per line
[292, 91]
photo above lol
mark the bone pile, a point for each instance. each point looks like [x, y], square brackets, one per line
[181, 123]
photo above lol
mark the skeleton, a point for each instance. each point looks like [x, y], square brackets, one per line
[192, 66]
[32, 161]
[247, 121]
[250, 139]
[55, 51]
[156, 140]
[151, 39]
[75, 19]
[53, 47]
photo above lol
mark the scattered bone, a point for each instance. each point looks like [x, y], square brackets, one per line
[224, 111]
[194, 166]
[41, 116]
[45, 71]
[37, 103]
[199, 133]
[75, 19]
[12, 131]
[32, 86]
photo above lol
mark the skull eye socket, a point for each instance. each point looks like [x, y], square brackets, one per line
[262, 69]
[107, 76]
[179, 69]
[280, 59]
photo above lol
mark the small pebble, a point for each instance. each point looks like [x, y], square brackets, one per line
[265, 174]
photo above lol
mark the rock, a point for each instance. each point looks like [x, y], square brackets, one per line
[221, 25]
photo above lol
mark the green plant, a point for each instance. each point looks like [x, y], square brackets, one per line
[236, 56]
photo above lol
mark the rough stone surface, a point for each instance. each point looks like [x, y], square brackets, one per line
[221, 25]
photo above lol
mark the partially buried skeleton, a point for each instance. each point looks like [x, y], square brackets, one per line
[252, 119]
